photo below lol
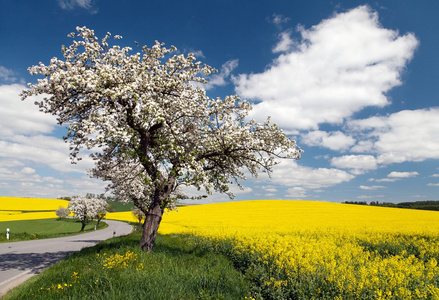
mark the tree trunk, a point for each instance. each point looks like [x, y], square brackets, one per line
[83, 224]
[151, 226]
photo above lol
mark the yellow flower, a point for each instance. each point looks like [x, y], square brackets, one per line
[358, 251]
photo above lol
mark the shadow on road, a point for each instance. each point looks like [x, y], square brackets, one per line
[36, 262]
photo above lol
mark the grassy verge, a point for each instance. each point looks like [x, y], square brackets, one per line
[117, 269]
[42, 229]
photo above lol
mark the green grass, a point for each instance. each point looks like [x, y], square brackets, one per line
[176, 269]
[42, 229]
[120, 206]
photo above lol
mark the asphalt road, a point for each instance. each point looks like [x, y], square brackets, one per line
[21, 260]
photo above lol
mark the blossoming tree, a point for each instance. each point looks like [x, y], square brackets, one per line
[152, 123]
[62, 212]
[84, 208]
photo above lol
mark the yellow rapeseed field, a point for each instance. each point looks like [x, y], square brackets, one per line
[32, 204]
[122, 216]
[287, 216]
[16, 209]
[318, 250]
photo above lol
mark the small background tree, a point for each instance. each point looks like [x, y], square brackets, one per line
[101, 209]
[84, 208]
[62, 212]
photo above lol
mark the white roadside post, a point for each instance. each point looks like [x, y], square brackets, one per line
[7, 234]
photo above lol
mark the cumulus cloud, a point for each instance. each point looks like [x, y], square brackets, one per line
[25, 174]
[402, 174]
[409, 135]
[340, 66]
[358, 164]
[44, 151]
[21, 117]
[25, 134]
[220, 79]
[335, 140]
[290, 174]
[371, 187]
[285, 42]
[269, 188]
[395, 176]
[387, 180]
[296, 192]
[34, 162]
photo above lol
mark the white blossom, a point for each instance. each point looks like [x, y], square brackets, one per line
[154, 125]
[83, 208]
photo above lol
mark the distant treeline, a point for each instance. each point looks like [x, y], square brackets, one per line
[91, 195]
[425, 205]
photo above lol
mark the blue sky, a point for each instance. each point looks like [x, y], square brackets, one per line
[354, 82]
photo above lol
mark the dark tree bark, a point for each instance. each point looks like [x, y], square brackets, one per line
[150, 227]
[84, 221]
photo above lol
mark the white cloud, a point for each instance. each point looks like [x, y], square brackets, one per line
[43, 151]
[371, 187]
[198, 54]
[220, 79]
[296, 192]
[72, 4]
[387, 180]
[269, 188]
[402, 174]
[342, 65]
[24, 134]
[395, 176]
[335, 140]
[285, 42]
[433, 184]
[409, 135]
[26, 174]
[21, 117]
[358, 164]
[33, 161]
[279, 19]
[27, 171]
[363, 147]
[7, 75]
[289, 173]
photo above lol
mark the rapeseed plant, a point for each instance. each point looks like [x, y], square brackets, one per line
[305, 250]
[117, 261]
[31, 204]
[17, 209]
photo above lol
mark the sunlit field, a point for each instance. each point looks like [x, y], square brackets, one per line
[315, 250]
[31, 204]
[306, 250]
[18, 209]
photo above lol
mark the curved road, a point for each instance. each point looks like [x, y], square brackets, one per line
[21, 260]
